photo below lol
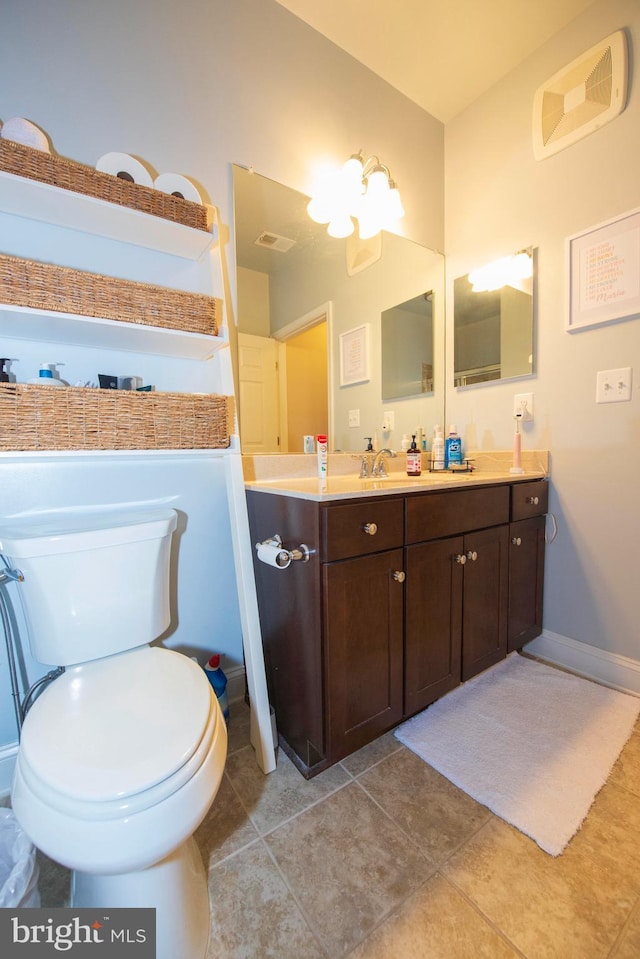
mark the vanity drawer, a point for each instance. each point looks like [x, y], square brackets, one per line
[435, 515]
[361, 528]
[529, 499]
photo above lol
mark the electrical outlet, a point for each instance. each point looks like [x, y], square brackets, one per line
[613, 386]
[354, 417]
[523, 406]
[388, 421]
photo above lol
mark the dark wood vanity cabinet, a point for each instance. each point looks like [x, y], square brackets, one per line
[403, 597]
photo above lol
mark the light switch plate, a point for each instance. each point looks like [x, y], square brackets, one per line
[613, 386]
[388, 421]
[354, 417]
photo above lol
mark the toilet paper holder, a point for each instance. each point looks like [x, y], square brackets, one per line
[272, 552]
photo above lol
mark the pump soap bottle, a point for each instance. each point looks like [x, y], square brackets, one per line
[46, 376]
[414, 459]
[4, 376]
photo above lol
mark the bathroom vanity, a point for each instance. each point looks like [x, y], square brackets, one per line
[410, 587]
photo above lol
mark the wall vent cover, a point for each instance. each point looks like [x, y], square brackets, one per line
[581, 97]
[272, 241]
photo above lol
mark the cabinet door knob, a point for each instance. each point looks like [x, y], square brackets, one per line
[461, 558]
[370, 528]
[517, 541]
[399, 576]
[472, 555]
[534, 500]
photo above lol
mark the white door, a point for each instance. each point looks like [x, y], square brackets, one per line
[258, 394]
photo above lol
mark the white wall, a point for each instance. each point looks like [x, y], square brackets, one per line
[499, 199]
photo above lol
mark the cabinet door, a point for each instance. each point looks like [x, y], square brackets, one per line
[485, 599]
[433, 621]
[363, 613]
[526, 580]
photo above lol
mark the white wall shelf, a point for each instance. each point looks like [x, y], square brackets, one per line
[34, 200]
[48, 326]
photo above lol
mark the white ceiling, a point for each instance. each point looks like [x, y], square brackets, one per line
[442, 54]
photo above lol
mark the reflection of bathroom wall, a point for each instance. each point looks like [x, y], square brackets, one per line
[516, 334]
[253, 302]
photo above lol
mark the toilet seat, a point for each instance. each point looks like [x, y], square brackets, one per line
[114, 736]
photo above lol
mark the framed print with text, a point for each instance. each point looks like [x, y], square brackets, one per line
[354, 355]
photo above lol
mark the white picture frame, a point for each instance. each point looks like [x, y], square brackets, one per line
[354, 355]
[603, 273]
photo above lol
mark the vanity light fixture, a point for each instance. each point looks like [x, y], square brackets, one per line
[507, 271]
[363, 189]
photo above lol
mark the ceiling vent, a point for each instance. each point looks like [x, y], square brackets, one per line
[581, 97]
[272, 241]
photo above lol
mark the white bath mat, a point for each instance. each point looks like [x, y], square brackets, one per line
[531, 742]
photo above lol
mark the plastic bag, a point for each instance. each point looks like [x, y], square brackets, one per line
[18, 866]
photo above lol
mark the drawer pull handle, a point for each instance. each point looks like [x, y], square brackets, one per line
[534, 500]
[461, 558]
[517, 541]
[472, 555]
[399, 576]
[370, 528]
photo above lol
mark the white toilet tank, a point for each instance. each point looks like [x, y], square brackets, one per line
[94, 583]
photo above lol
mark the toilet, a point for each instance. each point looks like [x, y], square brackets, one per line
[122, 755]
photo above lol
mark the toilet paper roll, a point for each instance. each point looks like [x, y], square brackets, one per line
[126, 167]
[273, 555]
[28, 134]
[177, 185]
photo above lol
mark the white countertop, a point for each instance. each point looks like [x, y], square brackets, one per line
[301, 482]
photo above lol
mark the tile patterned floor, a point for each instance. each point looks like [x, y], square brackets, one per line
[380, 857]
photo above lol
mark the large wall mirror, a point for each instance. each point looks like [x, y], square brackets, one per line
[493, 329]
[299, 292]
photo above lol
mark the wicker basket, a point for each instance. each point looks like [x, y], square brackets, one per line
[70, 175]
[36, 417]
[44, 286]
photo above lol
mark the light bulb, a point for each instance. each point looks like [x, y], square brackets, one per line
[319, 209]
[340, 226]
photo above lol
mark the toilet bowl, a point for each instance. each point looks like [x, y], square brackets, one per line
[121, 756]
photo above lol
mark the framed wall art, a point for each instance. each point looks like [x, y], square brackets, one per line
[603, 273]
[354, 355]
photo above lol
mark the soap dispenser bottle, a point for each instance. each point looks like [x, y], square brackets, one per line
[46, 377]
[4, 376]
[414, 459]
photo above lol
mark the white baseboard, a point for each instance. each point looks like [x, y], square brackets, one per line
[610, 669]
[7, 762]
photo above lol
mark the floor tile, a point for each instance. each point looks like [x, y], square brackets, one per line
[568, 907]
[54, 883]
[253, 914]
[438, 923]
[369, 755]
[349, 866]
[226, 828]
[239, 730]
[431, 810]
[271, 800]
[626, 771]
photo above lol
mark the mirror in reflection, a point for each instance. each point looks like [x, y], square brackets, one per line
[407, 348]
[493, 330]
[298, 290]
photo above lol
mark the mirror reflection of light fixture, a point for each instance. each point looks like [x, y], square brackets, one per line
[507, 271]
[362, 189]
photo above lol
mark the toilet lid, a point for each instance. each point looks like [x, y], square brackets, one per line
[114, 727]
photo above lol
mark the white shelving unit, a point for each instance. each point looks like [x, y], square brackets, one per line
[31, 203]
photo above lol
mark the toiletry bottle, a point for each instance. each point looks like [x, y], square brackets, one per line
[369, 446]
[414, 459]
[453, 448]
[45, 377]
[437, 450]
[4, 376]
[420, 438]
[218, 680]
[322, 460]
[405, 442]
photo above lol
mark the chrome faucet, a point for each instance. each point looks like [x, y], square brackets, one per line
[378, 468]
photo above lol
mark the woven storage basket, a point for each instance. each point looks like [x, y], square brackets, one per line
[36, 417]
[70, 175]
[44, 286]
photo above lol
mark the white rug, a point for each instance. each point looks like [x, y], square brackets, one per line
[531, 742]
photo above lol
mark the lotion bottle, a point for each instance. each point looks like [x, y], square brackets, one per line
[45, 377]
[437, 450]
[414, 459]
